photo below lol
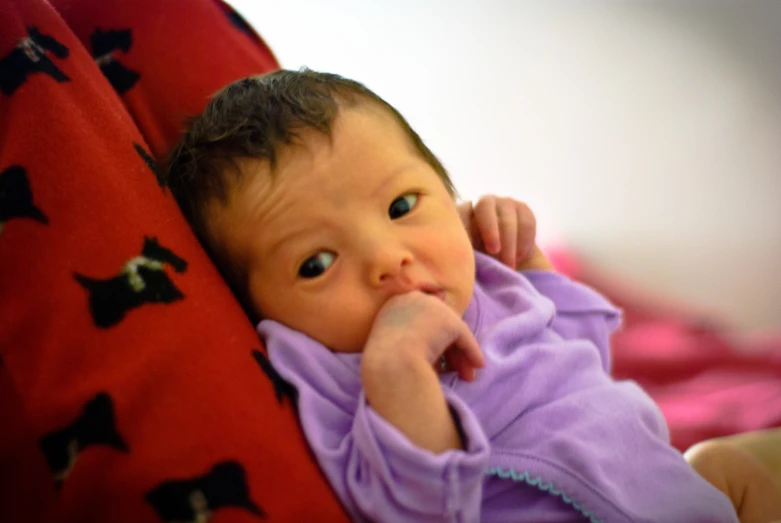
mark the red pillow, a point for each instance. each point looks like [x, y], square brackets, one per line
[132, 387]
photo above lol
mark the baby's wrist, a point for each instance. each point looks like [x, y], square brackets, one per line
[536, 262]
[388, 361]
[396, 377]
[403, 389]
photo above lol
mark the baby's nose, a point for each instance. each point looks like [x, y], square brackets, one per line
[388, 265]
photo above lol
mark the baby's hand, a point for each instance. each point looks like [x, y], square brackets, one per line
[409, 334]
[426, 326]
[505, 229]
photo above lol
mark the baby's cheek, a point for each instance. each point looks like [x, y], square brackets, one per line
[461, 249]
[460, 265]
[343, 328]
[453, 246]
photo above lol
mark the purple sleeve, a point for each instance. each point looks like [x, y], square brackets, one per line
[390, 479]
[581, 312]
[375, 470]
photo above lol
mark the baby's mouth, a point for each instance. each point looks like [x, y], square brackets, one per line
[437, 293]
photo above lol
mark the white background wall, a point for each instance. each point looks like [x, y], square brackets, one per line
[645, 135]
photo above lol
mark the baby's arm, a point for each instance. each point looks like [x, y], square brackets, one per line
[377, 471]
[581, 312]
[506, 229]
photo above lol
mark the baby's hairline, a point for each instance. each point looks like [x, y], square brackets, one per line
[246, 169]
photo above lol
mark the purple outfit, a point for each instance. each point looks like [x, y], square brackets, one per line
[548, 435]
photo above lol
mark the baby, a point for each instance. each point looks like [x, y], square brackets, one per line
[435, 383]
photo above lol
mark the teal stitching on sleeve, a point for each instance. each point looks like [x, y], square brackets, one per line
[546, 487]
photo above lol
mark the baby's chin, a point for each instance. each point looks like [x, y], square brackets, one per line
[343, 348]
[346, 341]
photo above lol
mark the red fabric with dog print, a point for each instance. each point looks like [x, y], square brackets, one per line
[182, 51]
[132, 388]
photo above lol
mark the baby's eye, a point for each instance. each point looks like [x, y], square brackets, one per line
[316, 265]
[402, 205]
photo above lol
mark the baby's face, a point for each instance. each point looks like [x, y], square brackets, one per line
[342, 226]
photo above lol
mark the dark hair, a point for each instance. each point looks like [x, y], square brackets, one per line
[252, 118]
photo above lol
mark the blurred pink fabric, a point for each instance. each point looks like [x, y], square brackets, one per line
[707, 381]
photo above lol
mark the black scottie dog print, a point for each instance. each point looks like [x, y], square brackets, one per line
[195, 500]
[142, 280]
[29, 57]
[95, 426]
[16, 198]
[282, 388]
[104, 47]
[150, 162]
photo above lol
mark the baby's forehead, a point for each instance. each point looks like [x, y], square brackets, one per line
[308, 150]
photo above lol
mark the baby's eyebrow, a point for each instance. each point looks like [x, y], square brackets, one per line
[391, 176]
[285, 240]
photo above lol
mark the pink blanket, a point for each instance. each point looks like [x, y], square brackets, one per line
[708, 382]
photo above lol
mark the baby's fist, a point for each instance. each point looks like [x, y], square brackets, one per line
[505, 229]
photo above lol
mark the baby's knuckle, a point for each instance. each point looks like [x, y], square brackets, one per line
[528, 220]
[507, 219]
[485, 201]
[506, 206]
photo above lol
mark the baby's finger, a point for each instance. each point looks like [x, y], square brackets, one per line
[508, 226]
[488, 224]
[467, 347]
[527, 231]
[454, 361]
